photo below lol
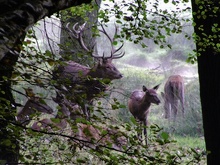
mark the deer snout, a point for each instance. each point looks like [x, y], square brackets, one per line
[120, 75]
[158, 102]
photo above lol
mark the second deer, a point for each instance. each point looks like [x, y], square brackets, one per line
[139, 105]
[173, 92]
[33, 105]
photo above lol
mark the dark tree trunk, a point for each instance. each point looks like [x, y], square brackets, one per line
[9, 148]
[16, 17]
[209, 76]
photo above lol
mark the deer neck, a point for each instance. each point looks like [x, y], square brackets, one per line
[95, 72]
[144, 103]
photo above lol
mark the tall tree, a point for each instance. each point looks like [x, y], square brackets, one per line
[16, 17]
[206, 17]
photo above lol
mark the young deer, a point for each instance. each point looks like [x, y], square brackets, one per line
[140, 102]
[66, 111]
[34, 104]
[82, 83]
[173, 92]
[93, 136]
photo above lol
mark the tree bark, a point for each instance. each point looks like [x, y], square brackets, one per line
[16, 17]
[208, 69]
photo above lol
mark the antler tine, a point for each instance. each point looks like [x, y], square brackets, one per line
[113, 51]
[78, 34]
[121, 54]
[104, 32]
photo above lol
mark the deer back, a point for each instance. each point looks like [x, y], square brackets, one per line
[140, 101]
[92, 135]
[32, 106]
[76, 72]
[49, 125]
[71, 71]
[174, 89]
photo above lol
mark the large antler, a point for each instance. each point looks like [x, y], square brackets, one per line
[78, 34]
[114, 51]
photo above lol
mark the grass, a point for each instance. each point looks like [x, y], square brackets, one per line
[191, 142]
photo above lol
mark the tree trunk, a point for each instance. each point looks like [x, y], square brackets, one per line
[9, 148]
[208, 69]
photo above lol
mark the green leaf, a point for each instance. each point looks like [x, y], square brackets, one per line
[165, 136]
[7, 142]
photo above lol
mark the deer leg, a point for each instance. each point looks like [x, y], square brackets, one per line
[139, 132]
[174, 109]
[86, 111]
[182, 106]
[145, 131]
[167, 109]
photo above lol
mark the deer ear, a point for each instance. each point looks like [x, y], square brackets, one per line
[144, 88]
[156, 87]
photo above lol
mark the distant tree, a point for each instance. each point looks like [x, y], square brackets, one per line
[206, 20]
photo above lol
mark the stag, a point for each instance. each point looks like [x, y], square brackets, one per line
[173, 92]
[81, 83]
[139, 104]
[34, 104]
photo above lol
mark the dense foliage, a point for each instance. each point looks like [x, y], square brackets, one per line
[39, 56]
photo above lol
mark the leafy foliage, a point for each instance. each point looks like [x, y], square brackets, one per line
[34, 69]
[145, 19]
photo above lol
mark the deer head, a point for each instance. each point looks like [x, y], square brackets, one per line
[105, 68]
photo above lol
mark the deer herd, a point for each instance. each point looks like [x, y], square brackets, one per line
[78, 85]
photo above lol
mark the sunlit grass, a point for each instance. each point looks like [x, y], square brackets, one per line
[192, 142]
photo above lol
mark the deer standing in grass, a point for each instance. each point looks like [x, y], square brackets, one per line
[139, 105]
[173, 93]
[82, 83]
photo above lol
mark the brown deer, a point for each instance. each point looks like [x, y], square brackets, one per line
[94, 136]
[89, 135]
[173, 92]
[139, 104]
[82, 83]
[33, 105]
[66, 110]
